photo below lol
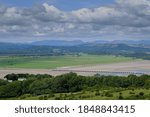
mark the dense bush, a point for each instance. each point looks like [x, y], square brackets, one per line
[39, 87]
[12, 77]
[15, 77]
[13, 89]
[71, 82]
[3, 82]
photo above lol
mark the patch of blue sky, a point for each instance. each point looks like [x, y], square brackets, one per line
[66, 5]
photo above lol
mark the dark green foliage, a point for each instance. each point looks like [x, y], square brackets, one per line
[12, 77]
[141, 94]
[26, 84]
[45, 97]
[97, 93]
[15, 77]
[3, 82]
[40, 76]
[120, 97]
[147, 84]
[67, 83]
[71, 82]
[13, 89]
[39, 87]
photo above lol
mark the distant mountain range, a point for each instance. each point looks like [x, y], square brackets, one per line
[79, 42]
[13, 46]
[74, 43]
[138, 42]
[139, 49]
[58, 43]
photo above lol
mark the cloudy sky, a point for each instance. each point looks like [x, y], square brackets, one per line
[31, 20]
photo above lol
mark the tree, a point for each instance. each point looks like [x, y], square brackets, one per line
[39, 87]
[12, 77]
[67, 83]
[141, 94]
[26, 84]
[3, 82]
[13, 89]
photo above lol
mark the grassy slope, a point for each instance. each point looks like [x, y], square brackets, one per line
[127, 94]
[57, 61]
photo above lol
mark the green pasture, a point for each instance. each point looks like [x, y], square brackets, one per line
[49, 62]
[100, 94]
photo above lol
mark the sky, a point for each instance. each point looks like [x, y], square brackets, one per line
[66, 5]
[87, 20]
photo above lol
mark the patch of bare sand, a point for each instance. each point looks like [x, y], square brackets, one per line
[133, 66]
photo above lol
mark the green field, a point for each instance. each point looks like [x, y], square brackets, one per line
[103, 94]
[49, 62]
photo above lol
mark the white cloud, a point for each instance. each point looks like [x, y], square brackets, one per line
[125, 18]
[133, 2]
[38, 34]
[51, 9]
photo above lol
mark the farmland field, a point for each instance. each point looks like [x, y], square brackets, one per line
[51, 62]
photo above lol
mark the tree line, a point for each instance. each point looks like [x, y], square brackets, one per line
[70, 82]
